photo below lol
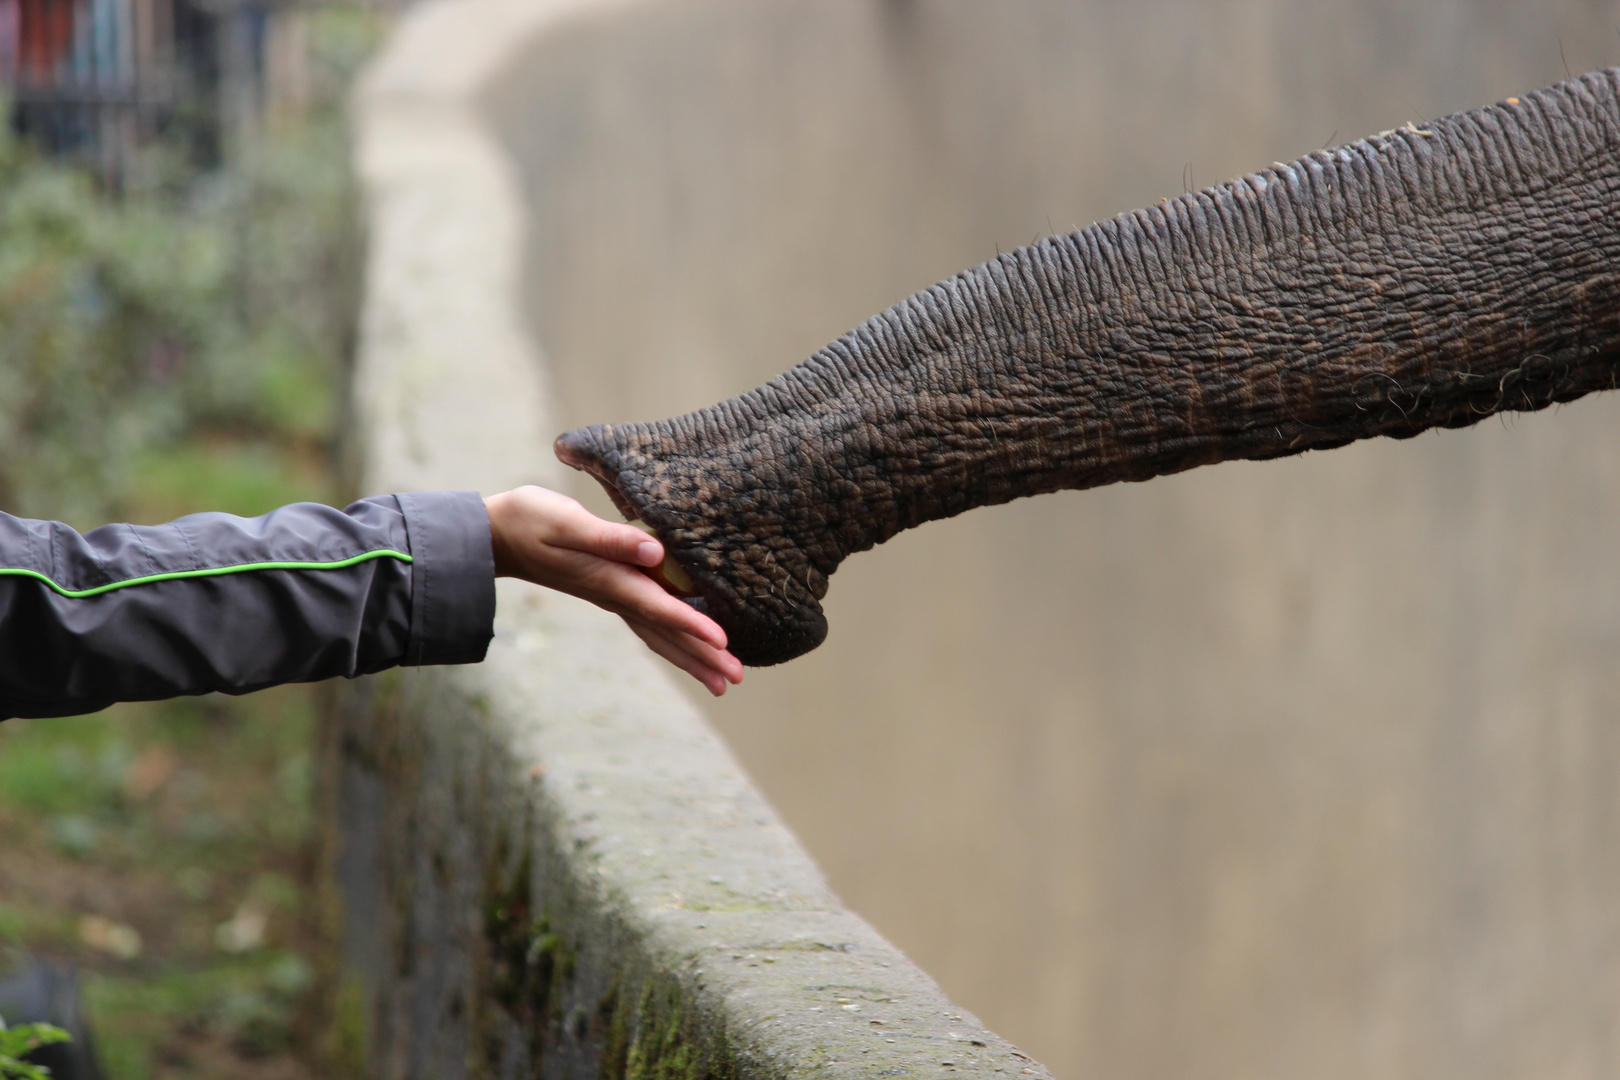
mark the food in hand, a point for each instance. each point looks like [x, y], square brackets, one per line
[670, 574]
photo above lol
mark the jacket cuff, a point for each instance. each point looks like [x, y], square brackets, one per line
[452, 577]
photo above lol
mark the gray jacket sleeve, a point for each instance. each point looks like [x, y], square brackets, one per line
[216, 602]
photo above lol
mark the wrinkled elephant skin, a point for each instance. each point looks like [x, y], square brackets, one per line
[1420, 278]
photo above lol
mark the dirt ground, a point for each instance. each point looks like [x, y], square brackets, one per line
[165, 851]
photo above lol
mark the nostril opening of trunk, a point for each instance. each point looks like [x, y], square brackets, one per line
[571, 450]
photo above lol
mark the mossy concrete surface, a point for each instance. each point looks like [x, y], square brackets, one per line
[548, 864]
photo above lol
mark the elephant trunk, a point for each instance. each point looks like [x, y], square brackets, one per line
[1421, 278]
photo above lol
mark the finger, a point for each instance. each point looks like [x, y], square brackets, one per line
[582, 530]
[633, 594]
[718, 659]
[711, 679]
[704, 653]
[621, 543]
[679, 617]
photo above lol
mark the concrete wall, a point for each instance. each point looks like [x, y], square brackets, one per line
[1295, 769]
[549, 865]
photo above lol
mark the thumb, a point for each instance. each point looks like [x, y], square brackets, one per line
[633, 543]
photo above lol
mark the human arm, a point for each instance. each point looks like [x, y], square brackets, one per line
[217, 602]
[214, 602]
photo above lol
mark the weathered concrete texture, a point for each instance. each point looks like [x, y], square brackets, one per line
[1288, 769]
[548, 864]
[1293, 769]
[554, 868]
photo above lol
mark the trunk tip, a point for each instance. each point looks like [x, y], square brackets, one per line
[576, 448]
[584, 449]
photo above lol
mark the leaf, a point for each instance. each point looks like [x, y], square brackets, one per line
[16, 1042]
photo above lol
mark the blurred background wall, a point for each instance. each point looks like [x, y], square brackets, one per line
[1294, 769]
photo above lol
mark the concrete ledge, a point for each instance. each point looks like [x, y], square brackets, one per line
[549, 864]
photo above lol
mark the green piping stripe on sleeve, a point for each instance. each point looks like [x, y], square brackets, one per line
[150, 579]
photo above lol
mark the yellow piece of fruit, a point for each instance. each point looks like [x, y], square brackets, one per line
[670, 574]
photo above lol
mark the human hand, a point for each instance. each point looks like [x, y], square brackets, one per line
[551, 540]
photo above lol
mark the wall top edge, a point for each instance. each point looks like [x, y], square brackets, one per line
[446, 52]
[452, 390]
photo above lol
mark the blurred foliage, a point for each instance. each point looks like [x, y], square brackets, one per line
[189, 305]
[178, 345]
[18, 1042]
[164, 849]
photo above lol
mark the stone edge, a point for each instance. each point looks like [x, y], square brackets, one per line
[647, 857]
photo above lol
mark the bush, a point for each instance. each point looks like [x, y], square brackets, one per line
[183, 311]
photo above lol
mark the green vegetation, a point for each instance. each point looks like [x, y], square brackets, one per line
[186, 338]
[17, 1042]
[179, 347]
